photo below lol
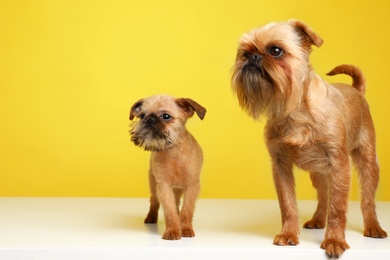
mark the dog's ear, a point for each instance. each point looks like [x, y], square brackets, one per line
[189, 106]
[134, 110]
[309, 37]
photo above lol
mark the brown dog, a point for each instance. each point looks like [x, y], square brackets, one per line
[175, 162]
[312, 124]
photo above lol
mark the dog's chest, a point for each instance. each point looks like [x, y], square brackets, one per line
[176, 168]
[314, 157]
[300, 145]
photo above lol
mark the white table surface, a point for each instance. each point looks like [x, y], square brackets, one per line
[113, 228]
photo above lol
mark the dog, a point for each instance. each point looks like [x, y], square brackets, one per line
[312, 124]
[175, 162]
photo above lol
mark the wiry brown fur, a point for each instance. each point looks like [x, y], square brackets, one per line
[175, 161]
[311, 124]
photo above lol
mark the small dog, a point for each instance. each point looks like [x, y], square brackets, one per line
[175, 161]
[312, 124]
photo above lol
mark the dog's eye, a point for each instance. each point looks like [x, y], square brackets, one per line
[275, 51]
[165, 116]
[142, 116]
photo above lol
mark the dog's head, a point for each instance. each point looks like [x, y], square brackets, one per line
[161, 120]
[271, 67]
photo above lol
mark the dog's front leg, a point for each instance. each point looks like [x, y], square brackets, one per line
[188, 208]
[338, 176]
[285, 188]
[172, 222]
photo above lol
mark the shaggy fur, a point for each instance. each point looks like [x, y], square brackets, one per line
[311, 124]
[175, 161]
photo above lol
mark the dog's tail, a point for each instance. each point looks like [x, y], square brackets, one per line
[358, 80]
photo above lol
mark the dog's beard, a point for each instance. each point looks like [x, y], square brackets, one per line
[151, 138]
[267, 89]
[254, 89]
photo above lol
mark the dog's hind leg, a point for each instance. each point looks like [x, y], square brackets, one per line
[152, 216]
[320, 183]
[178, 194]
[365, 160]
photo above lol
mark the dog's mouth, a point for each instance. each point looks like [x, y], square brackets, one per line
[151, 138]
[252, 69]
[154, 132]
[253, 63]
[152, 143]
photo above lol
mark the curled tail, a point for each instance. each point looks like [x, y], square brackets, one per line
[358, 80]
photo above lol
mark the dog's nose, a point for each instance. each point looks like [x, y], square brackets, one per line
[256, 57]
[151, 119]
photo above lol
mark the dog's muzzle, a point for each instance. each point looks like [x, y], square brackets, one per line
[150, 120]
[253, 64]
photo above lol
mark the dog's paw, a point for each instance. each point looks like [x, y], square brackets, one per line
[334, 248]
[150, 219]
[286, 239]
[171, 234]
[377, 232]
[187, 232]
[314, 224]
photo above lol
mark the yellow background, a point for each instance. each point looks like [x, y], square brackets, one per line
[70, 70]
